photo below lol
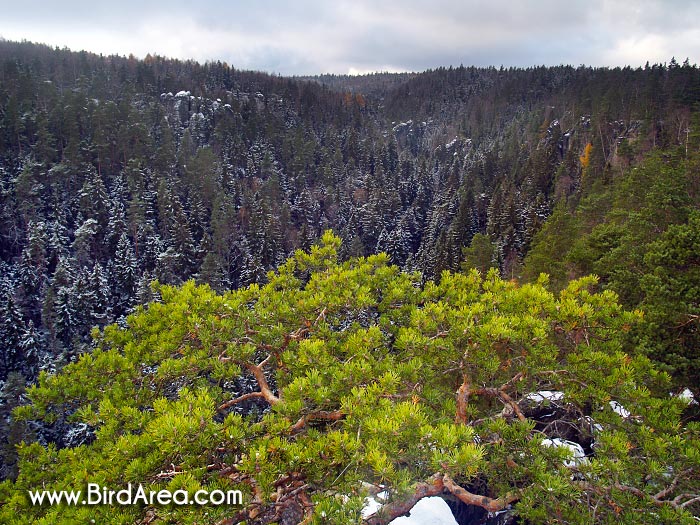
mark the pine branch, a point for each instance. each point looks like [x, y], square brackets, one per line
[655, 499]
[436, 485]
[668, 490]
[321, 415]
[240, 399]
[387, 513]
[259, 374]
[462, 402]
[486, 503]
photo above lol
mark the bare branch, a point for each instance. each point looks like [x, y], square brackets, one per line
[239, 399]
[685, 504]
[440, 335]
[486, 503]
[517, 377]
[170, 473]
[259, 375]
[462, 401]
[505, 398]
[387, 513]
[668, 490]
[653, 499]
[321, 415]
[692, 499]
[321, 316]
[435, 486]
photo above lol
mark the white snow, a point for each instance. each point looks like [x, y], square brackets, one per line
[545, 395]
[578, 455]
[402, 125]
[687, 396]
[371, 506]
[619, 409]
[594, 427]
[428, 511]
[452, 143]
[432, 511]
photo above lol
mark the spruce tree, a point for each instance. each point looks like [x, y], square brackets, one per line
[124, 276]
[11, 334]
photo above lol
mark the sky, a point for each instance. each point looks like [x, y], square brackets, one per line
[300, 37]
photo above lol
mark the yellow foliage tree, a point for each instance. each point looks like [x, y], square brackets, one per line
[586, 157]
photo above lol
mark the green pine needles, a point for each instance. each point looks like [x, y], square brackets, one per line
[338, 378]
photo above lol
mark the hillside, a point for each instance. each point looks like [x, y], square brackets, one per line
[117, 172]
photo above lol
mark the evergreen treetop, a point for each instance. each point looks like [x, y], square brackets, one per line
[357, 376]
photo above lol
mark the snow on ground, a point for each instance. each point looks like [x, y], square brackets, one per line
[428, 511]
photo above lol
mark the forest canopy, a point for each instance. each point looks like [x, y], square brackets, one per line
[425, 354]
[339, 379]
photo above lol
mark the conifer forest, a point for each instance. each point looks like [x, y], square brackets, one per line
[345, 295]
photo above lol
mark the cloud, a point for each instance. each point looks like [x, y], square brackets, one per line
[314, 36]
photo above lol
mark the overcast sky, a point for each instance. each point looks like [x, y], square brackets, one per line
[357, 36]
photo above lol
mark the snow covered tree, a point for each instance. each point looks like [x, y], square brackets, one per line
[12, 432]
[116, 227]
[124, 276]
[94, 203]
[31, 346]
[98, 286]
[31, 278]
[65, 316]
[11, 332]
[86, 242]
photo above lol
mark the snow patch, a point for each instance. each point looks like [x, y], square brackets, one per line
[619, 409]
[545, 395]
[402, 125]
[428, 510]
[433, 511]
[593, 426]
[687, 396]
[451, 144]
[577, 452]
[372, 505]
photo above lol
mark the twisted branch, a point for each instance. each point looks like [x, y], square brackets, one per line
[436, 485]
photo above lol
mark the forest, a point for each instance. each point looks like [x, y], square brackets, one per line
[317, 289]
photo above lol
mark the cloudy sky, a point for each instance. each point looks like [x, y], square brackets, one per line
[356, 36]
